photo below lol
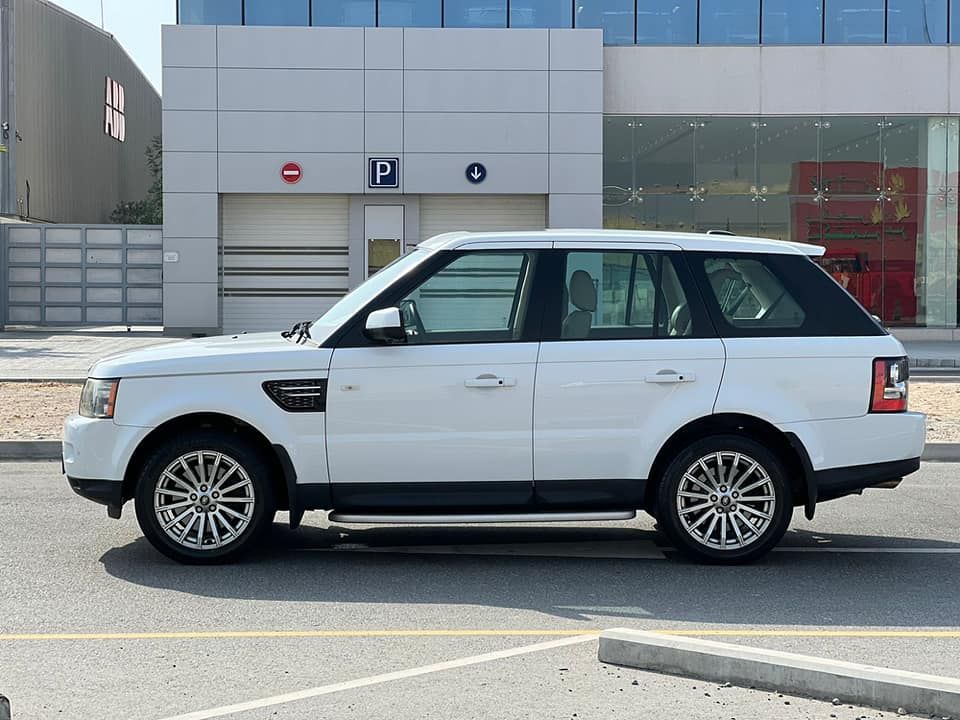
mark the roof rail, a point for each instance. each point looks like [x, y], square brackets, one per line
[721, 232]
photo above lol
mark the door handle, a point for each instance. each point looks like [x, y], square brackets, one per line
[489, 381]
[669, 377]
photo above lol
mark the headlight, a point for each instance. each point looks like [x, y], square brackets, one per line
[99, 398]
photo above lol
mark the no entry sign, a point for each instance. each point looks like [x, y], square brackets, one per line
[291, 173]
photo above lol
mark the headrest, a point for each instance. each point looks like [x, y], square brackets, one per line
[583, 294]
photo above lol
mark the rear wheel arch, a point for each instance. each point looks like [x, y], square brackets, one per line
[787, 447]
[193, 422]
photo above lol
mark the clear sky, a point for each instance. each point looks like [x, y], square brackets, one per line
[135, 23]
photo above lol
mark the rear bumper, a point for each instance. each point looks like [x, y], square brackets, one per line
[105, 492]
[837, 482]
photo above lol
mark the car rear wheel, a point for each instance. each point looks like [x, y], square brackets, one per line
[205, 498]
[725, 499]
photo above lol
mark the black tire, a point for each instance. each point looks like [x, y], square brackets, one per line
[259, 493]
[757, 540]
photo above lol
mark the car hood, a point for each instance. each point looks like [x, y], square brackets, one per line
[257, 352]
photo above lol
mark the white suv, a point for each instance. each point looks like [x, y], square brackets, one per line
[714, 382]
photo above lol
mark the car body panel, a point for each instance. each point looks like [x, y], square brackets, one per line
[600, 412]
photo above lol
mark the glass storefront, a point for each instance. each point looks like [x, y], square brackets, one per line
[880, 193]
[624, 22]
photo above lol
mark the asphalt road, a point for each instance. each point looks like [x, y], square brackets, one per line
[95, 624]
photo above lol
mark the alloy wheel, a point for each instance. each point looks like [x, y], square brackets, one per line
[726, 500]
[204, 500]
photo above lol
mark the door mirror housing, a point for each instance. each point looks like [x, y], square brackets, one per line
[385, 326]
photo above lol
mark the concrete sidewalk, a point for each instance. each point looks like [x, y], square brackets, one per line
[59, 354]
[67, 354]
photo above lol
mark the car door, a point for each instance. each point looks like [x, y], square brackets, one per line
[445, 419]
[628, 357]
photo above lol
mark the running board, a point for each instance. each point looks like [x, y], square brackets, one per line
[472, 518]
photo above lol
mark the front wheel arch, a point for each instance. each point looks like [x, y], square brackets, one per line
[786, 446]
[194, 422]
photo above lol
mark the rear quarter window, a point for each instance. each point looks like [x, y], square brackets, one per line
[767, 295]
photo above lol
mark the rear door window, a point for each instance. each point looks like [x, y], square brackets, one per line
[766, 295]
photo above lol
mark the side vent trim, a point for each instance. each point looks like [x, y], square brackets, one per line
[298, 395]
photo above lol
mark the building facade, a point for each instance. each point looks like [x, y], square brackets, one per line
[308, 143]
[77, 117]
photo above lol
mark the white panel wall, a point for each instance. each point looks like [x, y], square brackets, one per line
[810, 80]
[239, 102]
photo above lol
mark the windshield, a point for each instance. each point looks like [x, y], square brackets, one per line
[351, 303]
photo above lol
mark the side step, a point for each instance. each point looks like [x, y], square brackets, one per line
[472, 518]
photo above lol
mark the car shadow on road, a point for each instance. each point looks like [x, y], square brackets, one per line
[459, 566]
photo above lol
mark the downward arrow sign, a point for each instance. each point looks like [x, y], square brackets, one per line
[475, 174]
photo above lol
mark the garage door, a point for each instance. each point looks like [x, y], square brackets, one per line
[284, 258]
[447, 213]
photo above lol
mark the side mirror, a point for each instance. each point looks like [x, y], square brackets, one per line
[385, 326]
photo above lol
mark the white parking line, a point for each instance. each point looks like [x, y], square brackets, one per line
[884, 550]
[378, 679]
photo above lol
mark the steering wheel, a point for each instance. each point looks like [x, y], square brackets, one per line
[411, 318]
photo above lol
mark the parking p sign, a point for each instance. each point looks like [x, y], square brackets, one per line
[384, 173]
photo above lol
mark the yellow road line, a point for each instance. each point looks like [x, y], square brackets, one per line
[453, 633]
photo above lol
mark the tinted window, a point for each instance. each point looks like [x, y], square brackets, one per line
[854, 22]
[541, 13]
[616, 17]
[409, 13]
[211, 12]
[666, 22]
[753, 295]
[475, 13]
[345, 13]
[916, 22]
[479, 297]
[277, 12]
[622, 295]
[729, 22]
[750, 296]
[792, 22]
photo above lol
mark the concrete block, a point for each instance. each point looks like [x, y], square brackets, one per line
[190, 215]
[475, 91]
[472, 132]
[197, 260]
[575, 211]
[383, 133]
[189, 45]
[190, 305]
[190, 172]
[941, 452]
[290, 90]
[475, 49]
[189, 88]
[576, 174]
[579, 92]
[446, 173]
[189, 130]
[292, 133]
[383, 90]
[327, 48]
[383, 48]
[255, 172]
[576, 132]
[580, 49]
[785, 672]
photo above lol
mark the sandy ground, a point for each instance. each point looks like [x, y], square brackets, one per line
[35, 411]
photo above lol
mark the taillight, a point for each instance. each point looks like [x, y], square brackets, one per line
[889, 393]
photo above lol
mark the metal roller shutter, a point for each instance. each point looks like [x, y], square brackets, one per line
[284, 258]
[447, 213]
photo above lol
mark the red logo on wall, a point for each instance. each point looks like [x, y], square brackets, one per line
[291, 173]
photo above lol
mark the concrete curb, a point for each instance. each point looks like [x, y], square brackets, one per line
[941, 452]
[75, 380]
[30, 449]
[784, 672]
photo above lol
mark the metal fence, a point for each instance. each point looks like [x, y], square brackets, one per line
[82, 275]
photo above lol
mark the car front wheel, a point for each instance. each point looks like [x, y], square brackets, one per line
[204, 498]
[725, 499]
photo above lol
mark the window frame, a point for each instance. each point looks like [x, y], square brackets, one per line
[351, 333]
[554, 266]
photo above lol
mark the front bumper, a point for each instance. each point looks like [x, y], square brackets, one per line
[105, 492]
